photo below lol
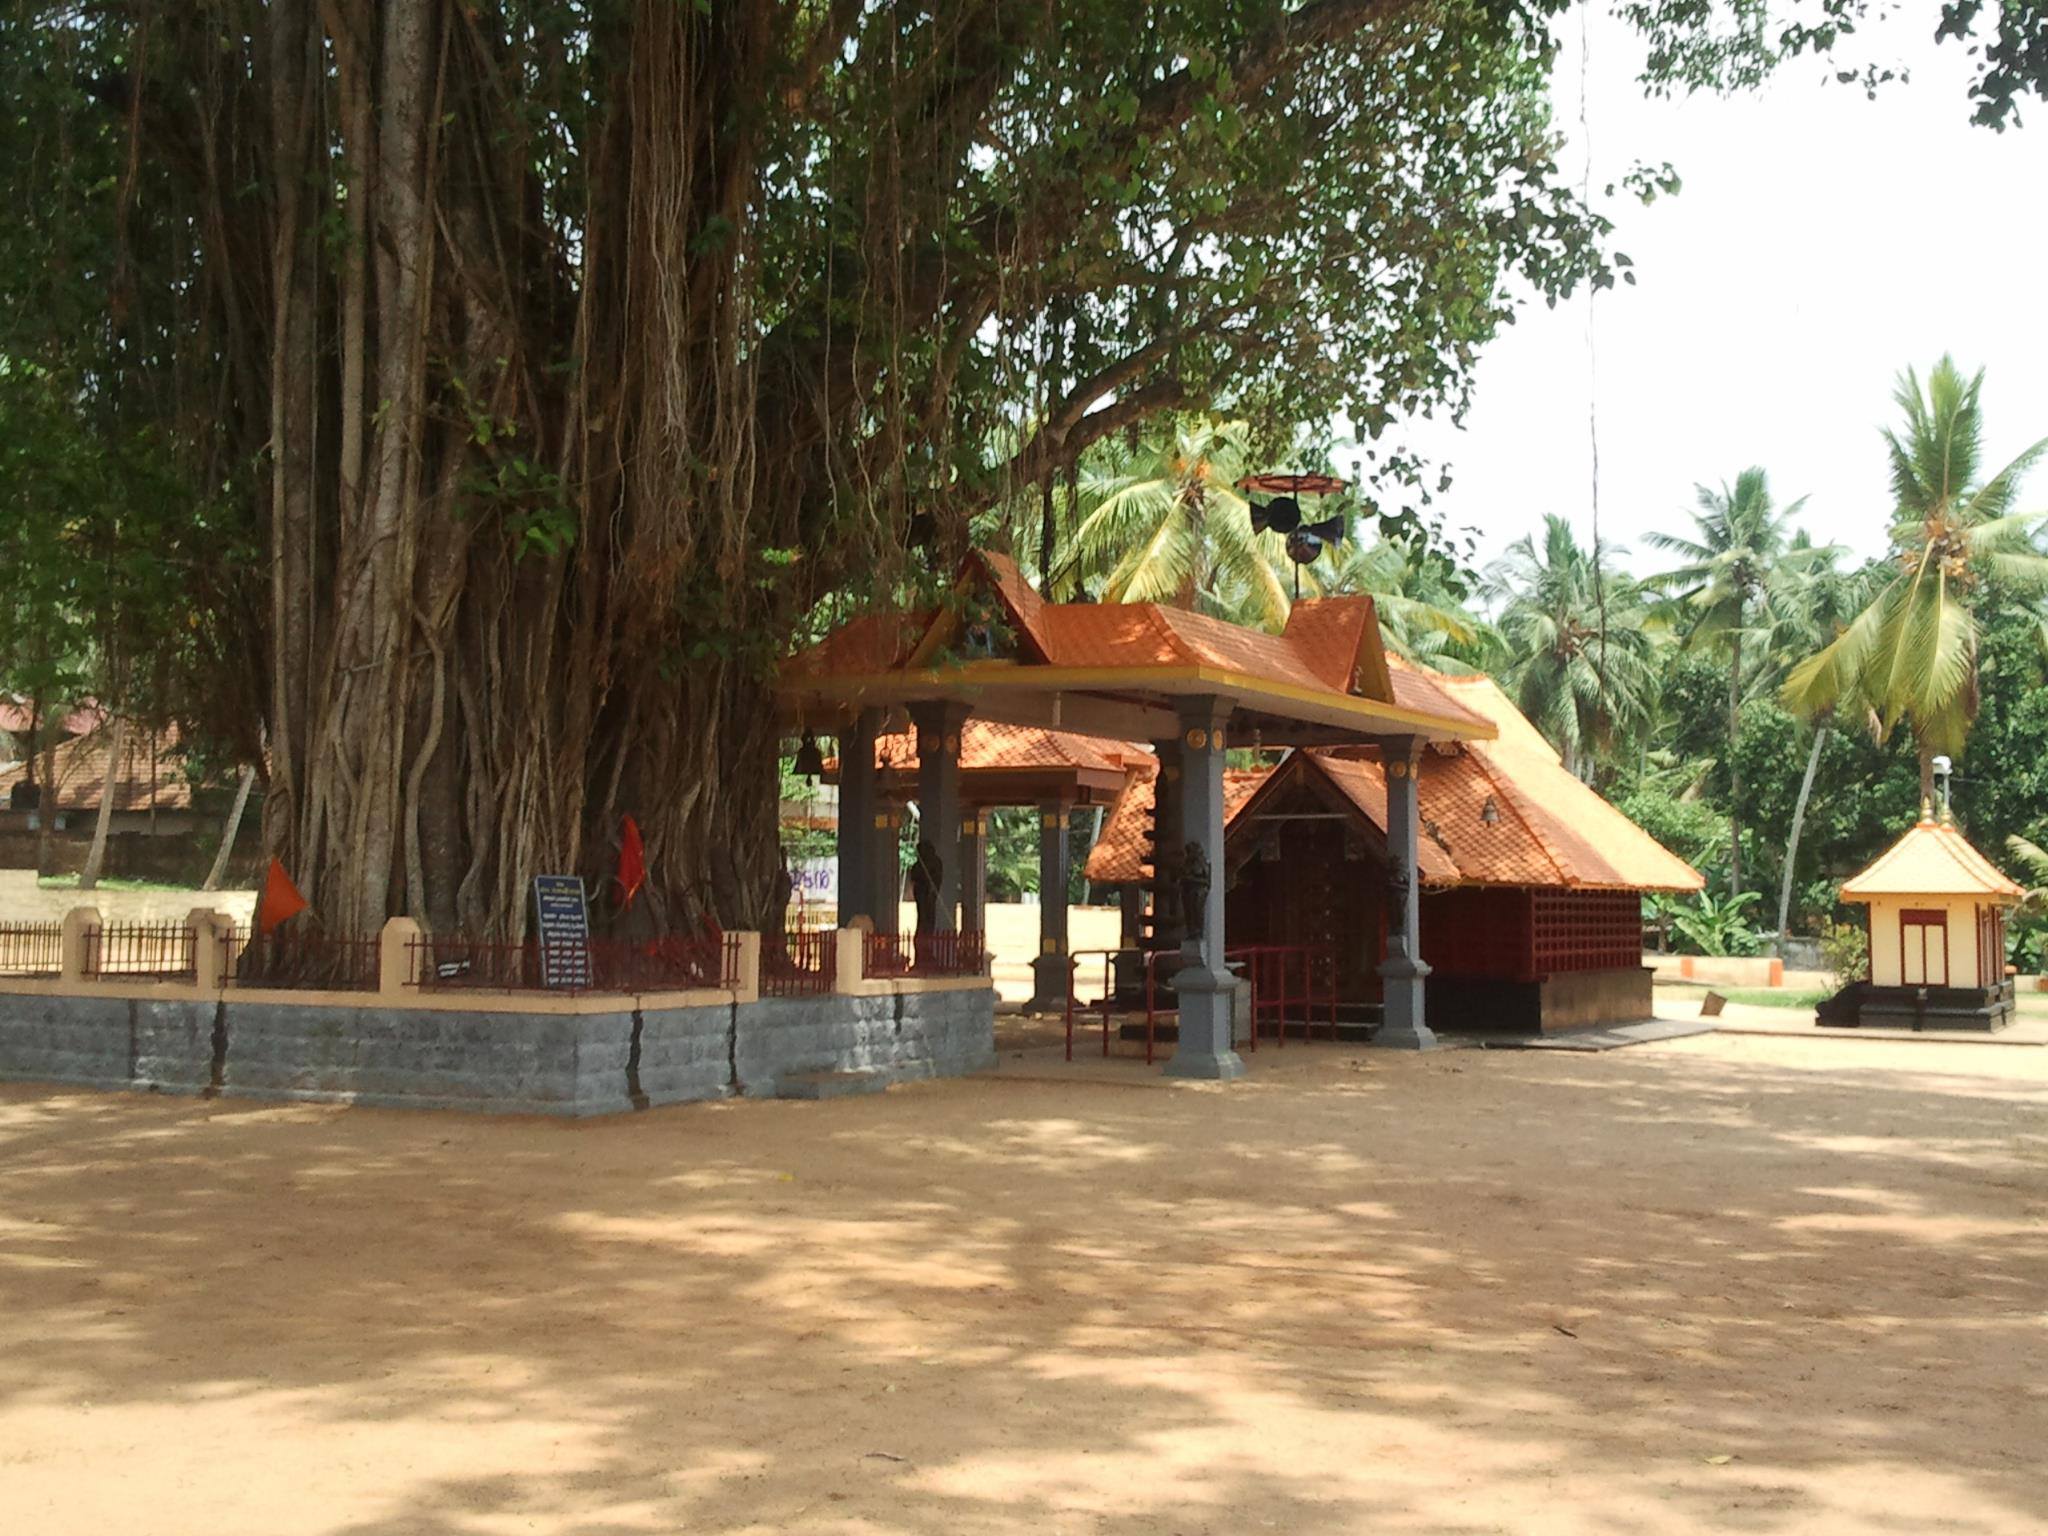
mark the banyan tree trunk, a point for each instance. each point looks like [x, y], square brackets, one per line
[507, 596]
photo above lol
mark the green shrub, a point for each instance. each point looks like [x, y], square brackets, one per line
[1845, 952]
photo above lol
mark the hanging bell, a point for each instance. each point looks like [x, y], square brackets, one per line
[810, 762]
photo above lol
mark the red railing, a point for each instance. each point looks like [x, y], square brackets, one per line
[31, 949]
[1289, 981]
[674, 963]
[925, 954]
[1107, 1003]
[308, 959]
[140, 949]
[800, 963]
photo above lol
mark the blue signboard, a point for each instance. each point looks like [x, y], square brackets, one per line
[562, 931]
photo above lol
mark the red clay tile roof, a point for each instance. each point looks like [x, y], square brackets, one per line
[1549, 829]
[1331, 645]
[1932, 859]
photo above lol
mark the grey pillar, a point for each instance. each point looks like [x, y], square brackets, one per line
[973, 857]
[886, 877]
[938, 797]
[1402, 971]
[1207, 1048]
[1130, 907]
[1049, 971]
[857, 817]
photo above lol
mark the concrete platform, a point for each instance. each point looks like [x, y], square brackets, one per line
[1605, 1037]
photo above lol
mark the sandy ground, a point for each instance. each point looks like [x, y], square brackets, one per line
[24, 900]
[1732, 1283]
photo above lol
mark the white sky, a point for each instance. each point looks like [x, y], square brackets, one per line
[1822, 242]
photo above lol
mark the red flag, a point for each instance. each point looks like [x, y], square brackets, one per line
[281, 900]
[632, 863]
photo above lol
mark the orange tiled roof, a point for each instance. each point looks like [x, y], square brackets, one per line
[1932, 859]
[1548, 828]
[1331, 645]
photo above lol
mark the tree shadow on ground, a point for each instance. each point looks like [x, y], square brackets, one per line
[1631, 1293]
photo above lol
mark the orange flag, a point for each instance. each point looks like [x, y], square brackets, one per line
[281, 900]
[632, 863]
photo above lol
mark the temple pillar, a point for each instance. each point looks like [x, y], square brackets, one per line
[938, 726]
[1050, 971]
[857, 817]
[885, 879]
[1206, 989]
[1130, 910]
[1402, 971]
[973, 856]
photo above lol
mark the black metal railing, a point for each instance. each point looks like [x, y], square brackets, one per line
[301, 960]
[801, 963]
[159, 950]
[924, 954]
[31, 949]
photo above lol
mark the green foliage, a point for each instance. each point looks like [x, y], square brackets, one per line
[1581, 659]
[1693, 829]
[1711, 925]
[1912, 653]
[1845, 951]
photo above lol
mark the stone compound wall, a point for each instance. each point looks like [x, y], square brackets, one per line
[557, 1063]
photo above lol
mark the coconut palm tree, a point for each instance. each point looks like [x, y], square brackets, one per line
[1742, 547]
[1807, 612]
[1164, 523]
[1580, 654]
[1912, 651]
[1422, 617]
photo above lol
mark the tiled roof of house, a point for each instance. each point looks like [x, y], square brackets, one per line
[151, 773]
[1547, 828]
[1932, 859]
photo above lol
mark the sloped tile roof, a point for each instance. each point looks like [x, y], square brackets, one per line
[1330, 646]
[1932, 859]
[1120, 853]
[1548, 829]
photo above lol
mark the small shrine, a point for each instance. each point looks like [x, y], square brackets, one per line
[1937, 935]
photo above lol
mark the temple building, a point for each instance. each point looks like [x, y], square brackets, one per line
[1191, 686]
[1937, 935]
[1531, 883]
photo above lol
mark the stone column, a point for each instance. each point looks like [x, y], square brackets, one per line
[1050, 973]
[1205, 987]
[857, 806]
[973, 856]
[1402, 971]
[885, 878]
[938, 797]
